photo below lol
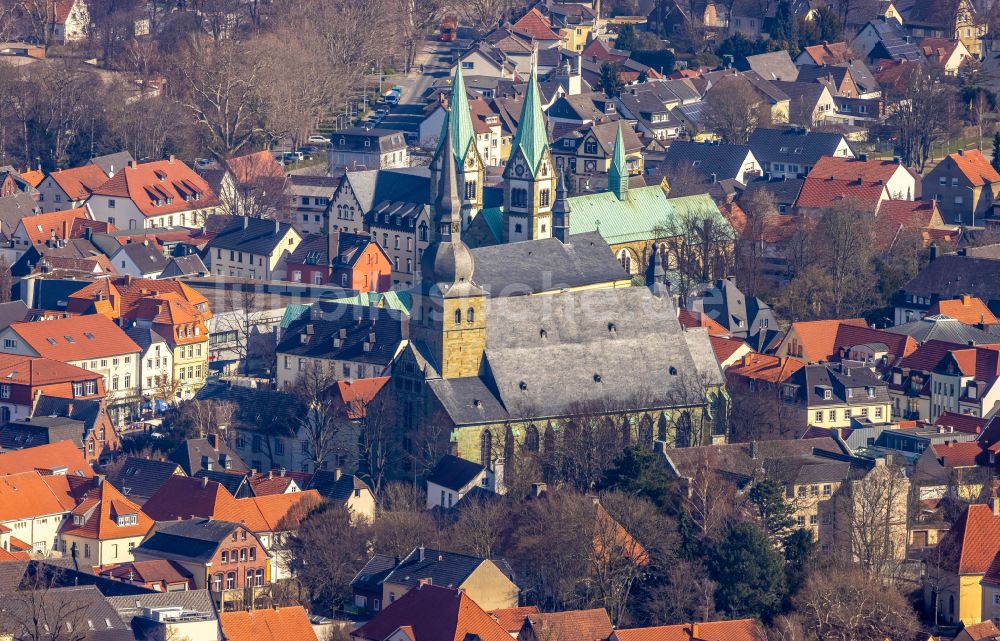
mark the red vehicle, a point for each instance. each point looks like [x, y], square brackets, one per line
[449, 29]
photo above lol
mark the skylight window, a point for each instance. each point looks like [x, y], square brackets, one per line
[69, 339]
[89, 336]
[51, 341]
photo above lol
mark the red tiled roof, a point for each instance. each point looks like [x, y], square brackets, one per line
[823, 192]
[127, 292]
[977, 535]
[151, 571]
[764, 367]
[982, 631]
[691, 319]
[927, 356]
[56, 224]
[725, 347]
[938, 50]
[61, 454]
[851, 335]
[101, 507]
[976, 168]
[819, 338]
[737, 630]
[600, 51]
[961, 422]
[76, 338]
[27, 495]
[967, 309]
[894, 215]
[511, 619]
[579, 625]
[265, 483]
[255, 166]
[829, 54]
[356, 395]
[80, 182]
[841, 168]
[536, 25]
[36, 371]
[170, 182]
[953, 454]
[290, 623]
[435, 614]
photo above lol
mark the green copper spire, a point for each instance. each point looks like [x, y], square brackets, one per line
[458, 118]
[531, 137]
[618, 172]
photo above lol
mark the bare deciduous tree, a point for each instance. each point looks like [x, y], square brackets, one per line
[734, 110]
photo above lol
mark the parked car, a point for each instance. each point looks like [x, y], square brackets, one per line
[308, 149]
[318, 138]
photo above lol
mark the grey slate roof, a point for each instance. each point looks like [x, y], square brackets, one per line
[785, 192]
[235, 484]
[192, 453]
[534, 266]
[312, 186]
[354, 139]
[191, 539]
[139, 478]
[894, 41]
[83, 410]
[190, 265]
[376, 186]
[952, 275]
[100, 621]
[15, 207]
[454, 473]
[315, 338]
[113, 163]
[745, 317]
[253, 235]
[776, 65]
[147, 258]
[329, 486]
[850, 386]
[793, 144]
[725, 161]
[42, 430]
[144, 336]
[615, 348]
[440, 567]
[15, 311]
[370, 577]
[944, 328]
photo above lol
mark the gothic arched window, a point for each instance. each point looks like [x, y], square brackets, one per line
[531, 439]
[423, 231]
[646, 432]
[470, 315]
[486, 449]
[458, 317]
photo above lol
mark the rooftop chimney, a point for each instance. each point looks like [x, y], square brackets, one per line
[337, 473]
[204, 482]
[421, 553]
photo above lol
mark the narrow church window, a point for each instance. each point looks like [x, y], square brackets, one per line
[486, 449]
[531, 439]
[458, 317]
[543, 198]
[470, 315]
[517, 228]
[470, 189]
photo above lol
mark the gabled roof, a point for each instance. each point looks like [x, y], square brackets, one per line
[868, 171]
[76, 338]
[357, 394]
[80, 182]
[793, 144]
[975, 539]
[194, 539]
[775, 65]
[37, 371]
[975, 167]
[113, 162]
[101, 509]
[27, 495]
[511, 619]
[819, 338]
[141, 478]
[735, 630]
[764, 368]
[268, 624]
[941, 328]
[963, 423]
[818, 193]
[454, 473]
[579, 625]
[337, 489]
[434, 613]
[902, 215]
[829, 53]
[725, 161]
[966, 309]
[535, 25]
[56, 224]
[160, 187]
[148, 259]
[59, 457]
[967, 454]
[689, 318]
[437, 567]
[253, 235]
[254, 167]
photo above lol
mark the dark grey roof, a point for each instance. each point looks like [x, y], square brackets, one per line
[314, 249]
[776, 65]
[329, 486]
[144, 336]
[53, 573]
[793, 144]
[944, 328]
[803, 96]
[952, 275]
[348, 337]
[826, 74]
[15, 207]
[682, 90]
[370, 577]
[454, 473]
[354, 139]
[113, 163]
[741, 461]
[894, 42]
[320, 186]
[534, 266]
[725, 161]
[191, 539]
[190, 265]
[27, 433]
[15, 311]
[785, 192]
[235, 483]
[376, 186]
[440, 567]
[580, 107]
[140, 478]
[256, 409]
[147, 258]
[745, 317]
[51, 294]
[822, 472]
[847, 385]
[83, 410]
[99, 620]
[253, 235]
[195, 604]
[193, 453]
[608, 354]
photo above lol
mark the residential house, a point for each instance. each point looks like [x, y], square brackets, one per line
[206, 453]
[190, 265]
[713, 162]
[453, 478]
[268, 624]
[775, 65]
[899, 220]
[899, 183]
[27, 377]
[103, 528]
[777, 101]
[359, 148]
[223, 557]
[68, 21]
[91, 342]
[158, 576]
[991, 607]
[965, 309]
[253, 248]
[488, 583]
[832, 395]
[792, 152]
[733, 630]
[160, 193]
[249, 185]
[761, 372]
[585, 625]
[351, 261]
[47, 228]
[32, 507]
[965, 186]
[54, 459]
[952, 583]
[882, 39]
[139, 260]
[138, 478]
[352, 346]
[432, 612]
[345, 489]
[85, 423]
[949, 276]
[69, 188]
[810, 104]
[959, 22]
[309, 197]
[156, 363]
[584, 155]
[744, 317]
[945, 55]
[958, 468]
[825, 54]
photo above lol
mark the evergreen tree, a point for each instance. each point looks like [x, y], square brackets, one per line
[748, 572]
[828, 25]
[996, 151]
[783, 26]
[775, 513]
[611, 81]
[799, 550]
[639, 471]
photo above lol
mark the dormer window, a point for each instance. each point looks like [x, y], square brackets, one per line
[128, 519]
[79, 519]
[827, 394]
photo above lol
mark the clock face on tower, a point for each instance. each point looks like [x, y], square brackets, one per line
[519, 170]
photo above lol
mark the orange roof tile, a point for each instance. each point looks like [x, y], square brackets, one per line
[356, 395]
[171, 183]
[101, 507]
[976, 537]
[536, 25]
[967, 309]
[269, 624]
[841, 168]
[27, 495]
[33, 176]
[36, 371]
[818, 338]
[725, 347]
[76, 338]
[56, 224]
[79, 182]
[953, 454]
[511, 619]
[894, 215]
[61, 454]
[975, 166]
[823, 192]
[250, 167]
[579, 625]
[691, 319]
[765, 368]
[435, 614]
[127, 292]
[983, 630]
[736, 630]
